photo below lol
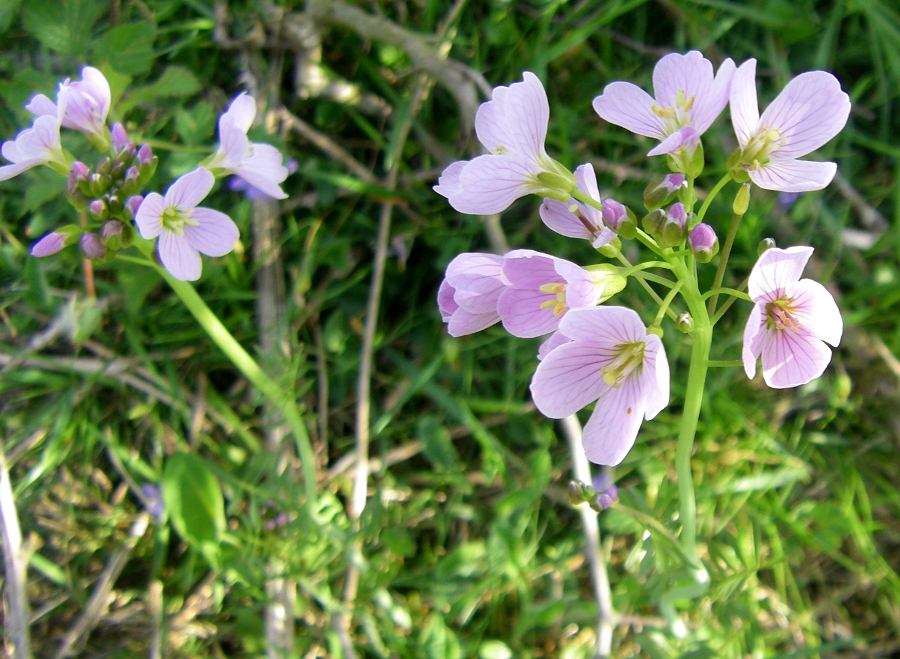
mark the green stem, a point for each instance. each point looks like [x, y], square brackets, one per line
[727, 363]
[662, 281]
[666, 302]
[723, 261]
[727, 291]
[246, 365]
[712, 195]
[647, 287]
[627, 272]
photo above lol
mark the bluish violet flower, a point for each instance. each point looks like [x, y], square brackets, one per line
[575, 219]
[38, 145]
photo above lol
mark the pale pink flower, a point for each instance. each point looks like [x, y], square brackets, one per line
[512, 126]
[259, 164]
[184, 229]
[542, 288]
[790, 321]
[575, 219]
[469, 293]
[688, 100]
[82, 105]
[38, 145]
[807, 113]
[612, 359]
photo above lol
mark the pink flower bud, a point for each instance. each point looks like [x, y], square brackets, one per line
[80, 171]
[98, 209]
[120, 138]
[92, 247]
[144, 155]
[659, 193]
[703, 242]
[49, 244]
[133, 203]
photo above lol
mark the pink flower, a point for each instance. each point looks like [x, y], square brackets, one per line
[791, 319]
[512, 126]
[82, 105]
[185, 230]
[542, 288]
[257, 163]
[688, 100]
[38, 145]
[468, 295]
[610, 358]
[807, 113]
[577, 220]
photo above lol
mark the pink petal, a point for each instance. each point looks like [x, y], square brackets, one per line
[568, 379]
[214, 235]
[463, 322]
[233, 146]
[753, 331]
[477, 273]
[744, 104]
[41, 105]
[817, 311]
[685, 137]
[178, 257]
[262, 168]
[241, 112]
[655, 376]
[557, 216]
[8, 171]
[491, 125]
[707, 109]
[556, 339]
[10, 151]
[50, 244]
[522, 315]
[448, 184]
[98, 87]
[586, 179]
[189, 190]
[603, 326]
[776, 271]
[794, 175]
[580, 288]
[445, 301]
[525, 268]
[610, 432]
[790, 359]
[489, 184]
[691, 73]
[630, 107]
[149, 216]
[527, 115]
[809, 111]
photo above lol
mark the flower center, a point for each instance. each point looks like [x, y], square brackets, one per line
[558, 302]
[629, 358]
[174, 220]
[760, 147]
[678, 115]
[780, 315]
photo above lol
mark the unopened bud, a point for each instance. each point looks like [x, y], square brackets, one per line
[764, 244]
[685, 323]
[132, 204]
[54, 241]
[601, 502]
[611, 249]
[98, 184]
[114, 203]
[120, 139]
[75, 194]
[576, 492]
[703, 242]
[674, 228]
[98, 210]
[619, 218]
[144, 155]
[146, 164]
[659, 193]
[92, 247]
[741, 200]
[105, 165]
[653, 222]
[80, 171]
[116, 235]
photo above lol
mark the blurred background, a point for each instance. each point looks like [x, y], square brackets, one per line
[468, 546]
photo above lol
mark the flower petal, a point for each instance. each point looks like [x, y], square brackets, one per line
[445, 301]
[214, 234]
[603, 326]
[568, 379]
[816, 309]
[794, 175]
[792, 358]
[489, 184]
[776, 271]
[149, 215]
[527, 115]
[189, 190]
[557, 216]
[8, 171]
[707, 108]
[526, 268]
[448, 184]
[687, 136]
[743, 101]
[655, 376]
[463, 322]
[809, 111]
[556, 339]
[263, 169]
[610, 432]
[491, 126]
[179, 258]
[522, 315]
[41, 105]
[753, 340]
[630, 107]
[240, 113]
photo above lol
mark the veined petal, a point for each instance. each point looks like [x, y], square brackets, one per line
[476, 272]
[606, 326]
[581, 291]
[262, 169]
[463, 322]
[655, 376]
[586, 179]
[744, 103]
[214, 234]
[687, 136]
[233, 146]
[528, 115]
[792, 358]
[556, 339]
[240, 113]
[149, 215]
[568, 379]
[189, 190]
[776, 271]
[557, 216]
[445, 301]
[708, 107]
[793, 175]
[448, 184]
[8, 171]
[691, 74]
[489, 184]
[526, 268]
[522, 315]
[753, 340]
[630, 107]
[98, 88]
[610, 432]
[179, 258]
[816, 309]
[491, 126]
[808, 112]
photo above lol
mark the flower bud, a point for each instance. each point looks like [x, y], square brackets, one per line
[118, 169]
[74, 193]
[132, 204]
[674, 227]
[659, 193]
[685, 323]
[144, 155]
[120, 139]
[601, 502]
[653, 222]
[92, 247]
[703, 243]
[764, 244]
[105, 165]
[98, 184]
[98, 210]
[51, 244]
[619, 218]
[116, 235]
[79, 171]
[576, 492]
[742, 200]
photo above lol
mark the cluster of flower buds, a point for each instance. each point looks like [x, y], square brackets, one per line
[599, 495]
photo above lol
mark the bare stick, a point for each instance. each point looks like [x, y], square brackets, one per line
[606, 617]
[15, 562]
[155, 610]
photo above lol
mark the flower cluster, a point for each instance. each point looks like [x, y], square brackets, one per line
[112, 193]
[607, 355]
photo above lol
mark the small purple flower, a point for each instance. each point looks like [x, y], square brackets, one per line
[153, 501]
[542, 288]
[791, 321]
[512, 126]
[38, 145]
[610, 359]
[469, 293]
[82, 105]
[688, 100]
[808, 112]
[257, 163]
[703, 242]
[120, 139]
[575, 219]
[184, 229]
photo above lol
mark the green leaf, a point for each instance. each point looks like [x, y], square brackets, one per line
[436, 443]
[8, 11]
[63, 26]
[195, 126]
[194, 503]
[175, 81]
[127, 48]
